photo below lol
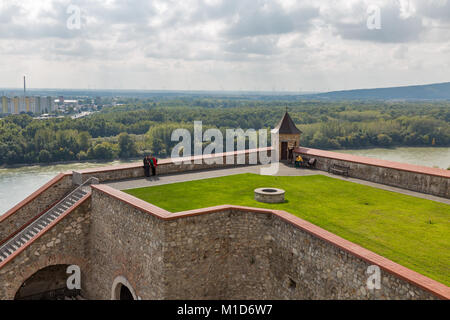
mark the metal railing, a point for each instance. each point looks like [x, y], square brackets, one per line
[41, 223]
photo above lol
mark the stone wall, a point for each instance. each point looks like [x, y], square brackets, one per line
[62, 184]
[293, 141]
[221, 255]
[226, 252]
[304, 266]
[35, 204]
[166, 166]
[65, 243]
[48, 279]
[231, 252]
[420, 179]
[124, 241]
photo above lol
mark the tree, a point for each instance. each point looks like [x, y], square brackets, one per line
[44, 156]
[127, 147]
[84, 140]
[82, 155]
[384, 140]
[104, 150]
[158, 147]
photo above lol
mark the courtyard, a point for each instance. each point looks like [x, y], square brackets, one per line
[412, 231]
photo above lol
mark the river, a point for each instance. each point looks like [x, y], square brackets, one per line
[18, 183]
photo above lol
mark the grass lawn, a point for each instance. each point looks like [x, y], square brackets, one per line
[410, 231]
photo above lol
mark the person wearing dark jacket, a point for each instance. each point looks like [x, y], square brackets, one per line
[153, 163]
[146, 167]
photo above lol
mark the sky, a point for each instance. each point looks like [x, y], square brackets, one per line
[250, 45]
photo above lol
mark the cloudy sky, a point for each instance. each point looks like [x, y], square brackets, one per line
[293, 45]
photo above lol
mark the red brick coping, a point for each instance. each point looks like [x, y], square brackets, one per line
[169, 160]
[374, 162]
[436, 288]
[47, 228]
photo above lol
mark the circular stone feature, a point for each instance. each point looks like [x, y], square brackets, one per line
[269, 195]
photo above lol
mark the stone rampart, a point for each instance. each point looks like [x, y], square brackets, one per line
[36, 203]
[428, 180]
[64, 243]
[231, 252]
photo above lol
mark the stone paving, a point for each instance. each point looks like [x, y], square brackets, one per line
[284, 170]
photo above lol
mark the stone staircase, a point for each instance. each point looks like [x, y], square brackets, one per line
[35, 228]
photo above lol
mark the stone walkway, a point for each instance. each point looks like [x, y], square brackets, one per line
[284, 170]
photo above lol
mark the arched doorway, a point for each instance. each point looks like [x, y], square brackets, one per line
[122, 289]
[49, 283]
[125, 293]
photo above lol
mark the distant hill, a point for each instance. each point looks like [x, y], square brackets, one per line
[437, 91]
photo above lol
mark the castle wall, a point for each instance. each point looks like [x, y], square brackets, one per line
[231, 252]
[166, 166]
[304, 266]
[34, 204]
[65, 243]
[291, 139]
[46, 196]
[124, 241]
[416, 178]
[225, 252]
[220, 255]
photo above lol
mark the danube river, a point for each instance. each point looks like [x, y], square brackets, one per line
[17, 183]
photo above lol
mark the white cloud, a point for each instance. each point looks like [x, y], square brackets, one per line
[224, 44]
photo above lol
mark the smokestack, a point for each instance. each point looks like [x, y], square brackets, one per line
[24, 87]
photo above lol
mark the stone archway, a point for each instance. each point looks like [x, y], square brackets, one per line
[122, 289]
[48, 283]
[18, 273]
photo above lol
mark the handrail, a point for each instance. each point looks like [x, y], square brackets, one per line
[91, 180]
[87, 182]
[26, 224]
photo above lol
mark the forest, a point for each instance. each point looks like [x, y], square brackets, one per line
[145, 126]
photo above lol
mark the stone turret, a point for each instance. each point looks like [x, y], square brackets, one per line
[289, 136]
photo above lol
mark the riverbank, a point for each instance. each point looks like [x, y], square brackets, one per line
[49, 164]
[438, 157]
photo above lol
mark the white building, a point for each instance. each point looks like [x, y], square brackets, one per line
[18, 104]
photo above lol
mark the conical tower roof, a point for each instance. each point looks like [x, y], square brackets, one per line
[287, 125]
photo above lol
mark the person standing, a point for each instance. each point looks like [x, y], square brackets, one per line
[154, 164]
[146, 167]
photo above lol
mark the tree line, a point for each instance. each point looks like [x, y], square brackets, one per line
[140, 127]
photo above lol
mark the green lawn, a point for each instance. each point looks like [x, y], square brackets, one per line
[410, 231]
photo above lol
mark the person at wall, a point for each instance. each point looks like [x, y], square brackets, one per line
[153, 164]
[146, 166]
[298, 161]
[291, 155]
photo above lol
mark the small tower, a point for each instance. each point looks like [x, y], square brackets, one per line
[289, 137]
